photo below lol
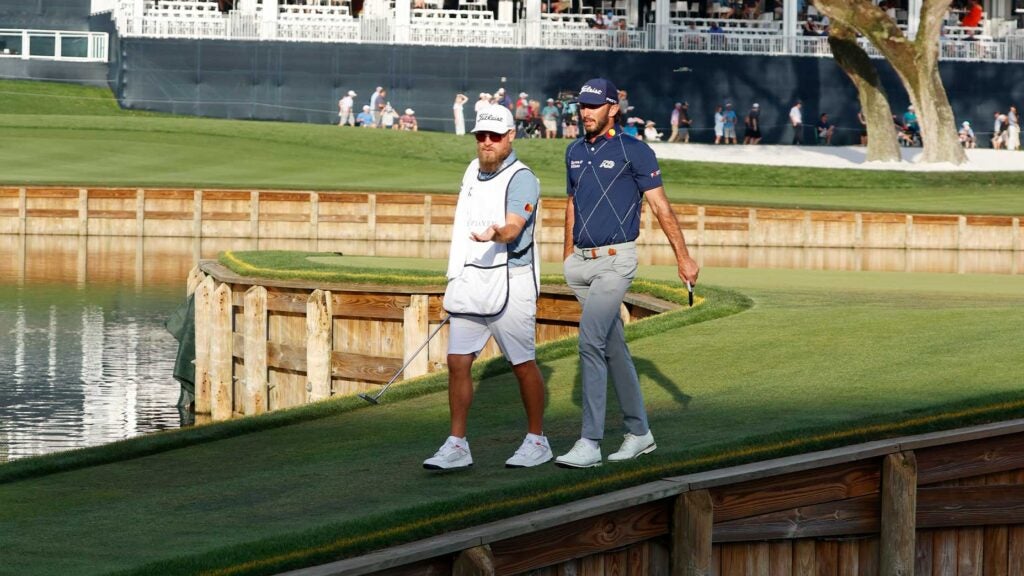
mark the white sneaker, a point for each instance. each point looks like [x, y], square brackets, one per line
[583, 455]
[634, 446]
[454, 453]
[531, 453]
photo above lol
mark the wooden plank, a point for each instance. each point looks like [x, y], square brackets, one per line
[9, 212]
[167, 215]
[883, 218]
[318, 346]
[794, 490]
[660, 561]
[255, 346]
[195, 276]
[203, 319]
[1015, 549]
[734, 226]
[433, 567]
[558, 309]
[637, 563]
[112, 214]
[967, 459]
[393, 219]
[848, 563]
[365, 367]
[780, 558]
[50, 213]
[376, 306]
[804, 562]
[970, 546]
[995, 558]
[10, 193]
[734, 560]
[592, 566]
[112, 193]
[415, 327]
[832, 216]
[344, 218]
[757, 559]
[615, 563]
[226, 216]
[166, 194]
[411, 199]
[777, 214]
[826, 557]
[867, 560]
[990, 221]
[67, 193]
[221, 363]
[283, 217]
[723, 211]
[343, 198]
[944, 552]
[691, 534]
[284, 197]
[969, 505]
[443, 220]
[845, 517]
[209, 195]
[935, 219]
[898, 502]
[453, 199]
[581, 538]
[922, 554]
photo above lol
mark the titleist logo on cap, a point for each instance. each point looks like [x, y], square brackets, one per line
[486, 116]
[591, 90]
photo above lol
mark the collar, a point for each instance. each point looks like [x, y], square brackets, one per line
[612, 132]
[508, 162]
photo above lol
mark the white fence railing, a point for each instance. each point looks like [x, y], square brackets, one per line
[479, 28]
[54, 45]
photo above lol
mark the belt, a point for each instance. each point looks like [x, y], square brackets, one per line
[599, 251]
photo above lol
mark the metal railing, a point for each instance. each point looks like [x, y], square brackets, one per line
[54, 45]
[447, 28]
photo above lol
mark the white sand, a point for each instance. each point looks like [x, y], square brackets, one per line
[979, 160]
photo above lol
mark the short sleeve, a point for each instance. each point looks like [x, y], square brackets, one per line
[646, 172]
[568, 173]
[523, 194]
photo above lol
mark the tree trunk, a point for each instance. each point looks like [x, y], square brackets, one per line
[916, 62]
[882, 146]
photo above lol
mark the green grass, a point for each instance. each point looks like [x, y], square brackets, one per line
[820, 359]
[62, 134]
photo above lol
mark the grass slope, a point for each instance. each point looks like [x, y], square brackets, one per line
[821, 359]
[61, 134]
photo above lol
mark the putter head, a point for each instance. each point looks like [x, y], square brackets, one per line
[369, 398]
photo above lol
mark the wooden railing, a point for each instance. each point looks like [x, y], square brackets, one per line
[263, 344]
[426, 217]
[924, 505]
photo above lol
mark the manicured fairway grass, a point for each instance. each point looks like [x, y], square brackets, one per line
[59, 134]
[821, 359]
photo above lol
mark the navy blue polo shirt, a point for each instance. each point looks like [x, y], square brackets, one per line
[607, 180]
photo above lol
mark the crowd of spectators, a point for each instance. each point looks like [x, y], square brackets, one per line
[379, 113]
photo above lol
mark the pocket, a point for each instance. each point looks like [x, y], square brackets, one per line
[625, 264]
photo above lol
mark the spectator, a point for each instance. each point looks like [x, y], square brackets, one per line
[729, 121]
[825, 130]
[550, 115]
[345, 109]
[377, 103]
[500, 97]
[903, 138]
[974, 14]
[381, 102]
[675, 120]
[630, 128]
[624, 106]
[910, 121]
[967, 139]
[810, 28]
[483, 102]
[365, 118]
[521, 112]
[408, 121]
[999, 131]
[570, 120]
[719, 124]
[651, 133]
[534, 119]
[796, 120]
[598, 22]
[388, 116]
[1013, 134]
[460, 115]
[863, 127]
[751, 10]
[753, 124]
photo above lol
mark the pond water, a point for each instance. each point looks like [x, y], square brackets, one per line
[85, 360]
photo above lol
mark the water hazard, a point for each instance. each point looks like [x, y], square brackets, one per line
[85, 360]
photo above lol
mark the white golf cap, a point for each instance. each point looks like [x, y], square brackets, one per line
[410, 111]
[494, 118]
[756, 105]
[966, 123]
[485, 95]
[523, 95]
[351, 93]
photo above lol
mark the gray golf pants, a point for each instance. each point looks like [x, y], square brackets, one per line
[600, 285]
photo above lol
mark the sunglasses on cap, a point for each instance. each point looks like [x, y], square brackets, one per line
[492, 136]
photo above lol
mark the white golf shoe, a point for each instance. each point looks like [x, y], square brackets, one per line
[453, 454]
[583, 455]
[534, 451]
[634, 446]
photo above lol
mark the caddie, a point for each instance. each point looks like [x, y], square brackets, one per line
[493, 283]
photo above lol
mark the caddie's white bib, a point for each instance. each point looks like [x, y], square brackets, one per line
[478, 275]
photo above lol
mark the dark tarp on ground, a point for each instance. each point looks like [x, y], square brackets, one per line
[181, 324]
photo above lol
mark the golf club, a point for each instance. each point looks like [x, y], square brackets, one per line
[689, 288]
[374, 399]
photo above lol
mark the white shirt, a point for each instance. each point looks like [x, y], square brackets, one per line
[346, 103]
[795, 115]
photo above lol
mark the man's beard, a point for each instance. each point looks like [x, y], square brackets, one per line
[491, 164]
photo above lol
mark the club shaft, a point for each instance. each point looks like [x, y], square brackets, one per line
[412, 357]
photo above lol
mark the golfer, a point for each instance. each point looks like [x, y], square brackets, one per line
[609, 175]
[493, 282]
